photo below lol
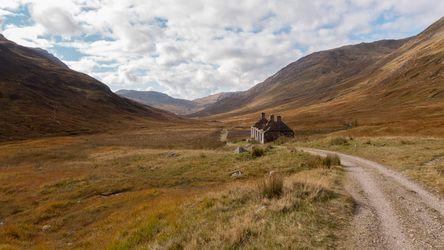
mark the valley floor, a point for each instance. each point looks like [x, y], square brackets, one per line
[168, 188]
[174, 188]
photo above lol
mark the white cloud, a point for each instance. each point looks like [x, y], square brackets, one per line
[57, 21]
[194, 48]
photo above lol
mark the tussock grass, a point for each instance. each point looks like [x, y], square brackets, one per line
[338, 141]
[308, 214]
[413, 156]
[257, 152]
[314, 161]
[272, 186]
[112, 184]
[331, 160]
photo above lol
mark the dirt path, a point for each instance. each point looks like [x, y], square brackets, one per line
[393, 212]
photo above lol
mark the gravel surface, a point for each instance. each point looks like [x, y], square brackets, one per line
[393, 212]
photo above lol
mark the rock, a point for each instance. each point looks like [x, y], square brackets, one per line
[46, 228]
[236, 174]
[171, 154]
[240, 150]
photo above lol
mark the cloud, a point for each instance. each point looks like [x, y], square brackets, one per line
[56, 21]
[195, 48]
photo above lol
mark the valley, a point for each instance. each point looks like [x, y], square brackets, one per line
[360, 164]
[133, 189]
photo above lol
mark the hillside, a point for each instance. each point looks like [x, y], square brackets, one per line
[160, 100]
[386, 84]
[211, 99]
[171, 104]
[40, 95]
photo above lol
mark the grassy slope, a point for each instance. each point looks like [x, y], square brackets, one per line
[400, 91]
[140, 188]
[40, 97]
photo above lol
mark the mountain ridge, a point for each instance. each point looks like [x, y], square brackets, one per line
[175, 105]
[390, 84]
[40, 96]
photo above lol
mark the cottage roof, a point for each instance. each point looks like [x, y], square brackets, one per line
[278, 125]
[262, 122]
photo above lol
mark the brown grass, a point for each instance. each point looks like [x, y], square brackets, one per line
[417, 157]
[124, 190]
[272, 186]
[309, 214]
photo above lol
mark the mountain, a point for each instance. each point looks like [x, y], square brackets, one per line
[211, 99]
[40, 95]
[160, 100]
[171, 104]
[385, 85]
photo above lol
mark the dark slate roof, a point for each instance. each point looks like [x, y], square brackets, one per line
[277, 126]
[261, 123]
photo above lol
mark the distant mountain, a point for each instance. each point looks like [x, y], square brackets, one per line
[211, 99]
[40, 95]
[385, 85]
[166, 102]
[160, 100]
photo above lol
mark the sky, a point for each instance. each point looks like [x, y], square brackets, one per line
[191, 48]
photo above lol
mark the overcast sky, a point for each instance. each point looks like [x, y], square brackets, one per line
[191, 48]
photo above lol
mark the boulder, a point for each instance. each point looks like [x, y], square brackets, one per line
[236, 174]
[240, 150]
[46, 228]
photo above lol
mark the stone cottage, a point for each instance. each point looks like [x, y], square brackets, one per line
[265, 130]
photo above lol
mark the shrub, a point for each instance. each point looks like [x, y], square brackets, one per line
[315, 161]
[257, 152]
[338, 141]
[331, 160]
[272, 186]
[310, 191]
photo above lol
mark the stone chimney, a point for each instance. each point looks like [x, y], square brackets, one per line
[271, 117]
[279, 118]
[263, 115]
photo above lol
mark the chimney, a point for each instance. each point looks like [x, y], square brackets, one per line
[263, 115]
[279, 118]
[271, 117]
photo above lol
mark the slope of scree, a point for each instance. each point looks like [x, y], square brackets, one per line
[40, 95]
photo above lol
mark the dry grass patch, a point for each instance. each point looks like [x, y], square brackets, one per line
[272, 186]
[413, 156]
[311, 212]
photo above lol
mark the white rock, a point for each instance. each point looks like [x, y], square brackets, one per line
[46, 228]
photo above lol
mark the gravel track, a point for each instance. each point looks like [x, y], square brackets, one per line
[393, 212]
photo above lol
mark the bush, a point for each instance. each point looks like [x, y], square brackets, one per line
[257, 152]
[318, 161]
[331, 160]
[338, 141]
[272, 186]
[310, 191]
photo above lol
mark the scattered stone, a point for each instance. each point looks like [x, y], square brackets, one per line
[46, 228]
[240, 150]
[236, 174]
[172, 154]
